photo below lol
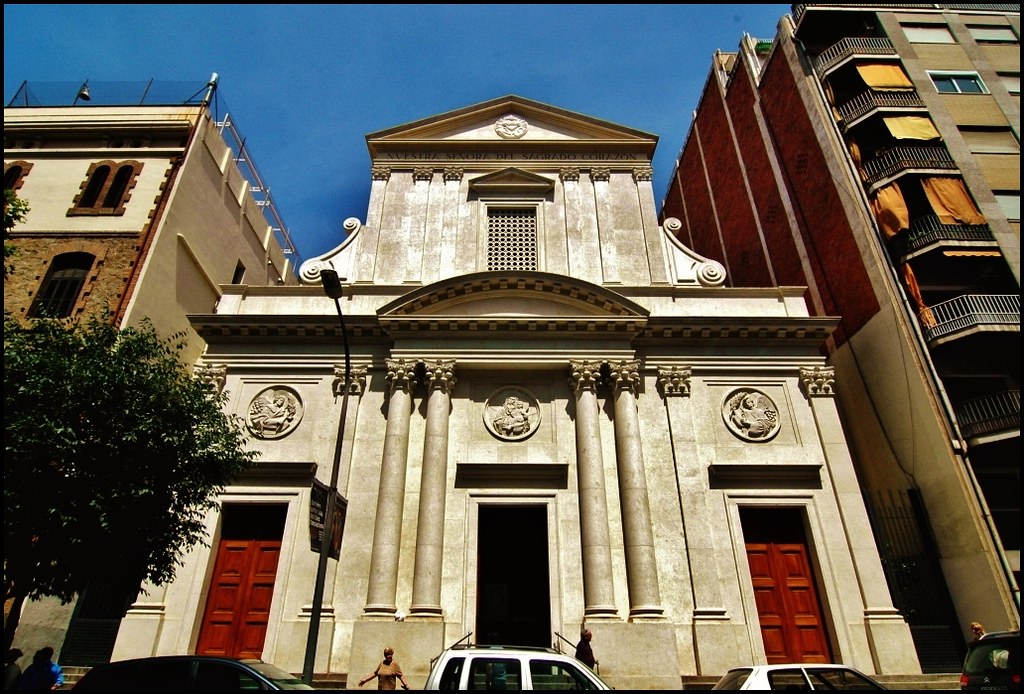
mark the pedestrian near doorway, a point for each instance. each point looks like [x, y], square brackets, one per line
[388, 673]
[584, 652]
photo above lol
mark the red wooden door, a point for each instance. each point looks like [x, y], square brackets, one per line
[238, 603]
[787, 601]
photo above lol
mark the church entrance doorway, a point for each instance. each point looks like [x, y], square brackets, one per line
[513, 593]
[242, 586]
[788, 607]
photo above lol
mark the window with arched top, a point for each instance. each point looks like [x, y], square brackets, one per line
[14, 174]
[62, 286]
[107, 188]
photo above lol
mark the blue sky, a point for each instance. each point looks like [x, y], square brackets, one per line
[305, 84]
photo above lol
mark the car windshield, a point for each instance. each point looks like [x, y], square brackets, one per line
[283, 679]
[733, 679]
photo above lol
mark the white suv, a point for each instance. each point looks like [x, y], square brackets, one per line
[509, 667]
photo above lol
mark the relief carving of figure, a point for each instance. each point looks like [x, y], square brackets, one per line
[752, 415]
[514, 418]
[512, 414]
[272, 413]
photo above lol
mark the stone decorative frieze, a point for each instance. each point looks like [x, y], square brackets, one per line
[586, 375]
[600, 173]
[380, 173]
[401, 374]
[511, 413]
[643, 173]
[569, 173]
[675, 381]
[214, 374]
[274, 412]
[818, 381]
[441, 375]
[453, 173]
[751, 415]
[625, 375]
[511, 127]
[422, 173]
[356, 385]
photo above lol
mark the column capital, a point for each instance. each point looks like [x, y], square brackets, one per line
[625, 375]
[643, 173]
[401, 374]
[356, 385]
[586, 375]
[453, 173]
[569, 173]
[422, 173]
[600, 173]
[675, 381]
[214, 374]
[440, 374]
[380, 173]
[818, 381]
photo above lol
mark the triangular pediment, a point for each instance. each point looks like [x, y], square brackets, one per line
[489, 296]
[506, 123]
[511, 181]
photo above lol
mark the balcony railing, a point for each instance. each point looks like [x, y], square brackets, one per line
[898, 159]
[799, 10]
[971, 311]
[849, 47]
[990, 415]
[929, 230]
[868, 101]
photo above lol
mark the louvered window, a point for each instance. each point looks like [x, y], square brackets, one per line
[511, 238]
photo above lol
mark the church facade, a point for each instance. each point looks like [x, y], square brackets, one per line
[556, 416]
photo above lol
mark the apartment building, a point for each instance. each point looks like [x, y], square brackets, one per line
[872, 154]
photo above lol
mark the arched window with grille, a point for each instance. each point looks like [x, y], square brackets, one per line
[62, 286]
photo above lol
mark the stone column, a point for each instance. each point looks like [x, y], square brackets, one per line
[890, 645]
[595, 542]
[426, 583]
[355, 393]
[637, 531]
[387, 532]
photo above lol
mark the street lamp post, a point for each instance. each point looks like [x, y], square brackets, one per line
[333, 289]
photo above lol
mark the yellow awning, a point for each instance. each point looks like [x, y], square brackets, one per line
[911, 127]
[971, 254]
[884, 76]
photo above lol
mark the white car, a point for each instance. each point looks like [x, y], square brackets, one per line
[798, 676]
[510, 667]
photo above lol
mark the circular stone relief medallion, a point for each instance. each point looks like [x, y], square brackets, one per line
[274, 413]
[511, 414]
[511, 127]
[751, 415]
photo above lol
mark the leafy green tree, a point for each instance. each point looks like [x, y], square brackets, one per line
[14, 212]
[113, 455]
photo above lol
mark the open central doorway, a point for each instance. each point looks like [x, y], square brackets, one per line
[513, 593]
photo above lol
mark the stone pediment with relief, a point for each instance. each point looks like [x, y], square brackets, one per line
[496, 299]
[509, 123]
